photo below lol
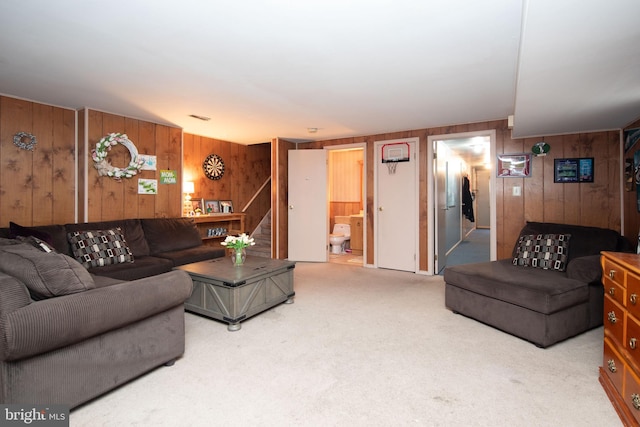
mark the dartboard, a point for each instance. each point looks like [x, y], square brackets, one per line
[213, 166]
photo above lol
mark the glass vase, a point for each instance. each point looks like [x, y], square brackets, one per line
[238, 256]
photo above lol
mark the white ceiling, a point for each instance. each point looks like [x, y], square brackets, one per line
[266, 68]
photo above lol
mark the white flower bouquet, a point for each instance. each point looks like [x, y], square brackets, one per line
[238, 242]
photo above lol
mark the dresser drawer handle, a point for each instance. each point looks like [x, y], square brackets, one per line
[635, 399]
[612, 291]
[612, 365]
[612, 273]
[633, 298]
[612, 317]
[632, 343]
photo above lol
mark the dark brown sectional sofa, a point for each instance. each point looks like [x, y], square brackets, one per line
[157, 244]
[69, 333]
[541, 305]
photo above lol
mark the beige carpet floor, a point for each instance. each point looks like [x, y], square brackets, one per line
[362, 347]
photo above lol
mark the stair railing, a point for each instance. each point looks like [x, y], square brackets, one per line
[258, 206]
[256, 194]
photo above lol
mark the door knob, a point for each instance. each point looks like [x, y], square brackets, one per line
[380, 208]
[291, 207]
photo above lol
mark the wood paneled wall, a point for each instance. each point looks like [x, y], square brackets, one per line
[247, 167]
[41, 187]
[630, 198]
[345, 175]
[109, 199]
[37, 187]
[592, 204]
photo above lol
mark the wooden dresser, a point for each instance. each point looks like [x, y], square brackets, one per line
[620, 370]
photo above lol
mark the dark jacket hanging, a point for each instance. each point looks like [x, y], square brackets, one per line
[467, 200]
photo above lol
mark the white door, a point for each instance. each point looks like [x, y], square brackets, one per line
[307, 206]
[396, 210]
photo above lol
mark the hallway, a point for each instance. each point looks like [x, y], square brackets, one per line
[474, 248]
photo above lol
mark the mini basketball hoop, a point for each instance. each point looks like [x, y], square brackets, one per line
[391, 166]
[392, 154]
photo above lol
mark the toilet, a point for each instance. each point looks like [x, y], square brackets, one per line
[341, 233]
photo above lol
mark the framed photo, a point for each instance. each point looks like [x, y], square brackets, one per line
[211, 206]
[573, 170]
[198, 206]
[514, 165]
[226, 206]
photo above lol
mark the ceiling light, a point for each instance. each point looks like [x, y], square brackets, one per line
[477, 148]
[312, 130]
[203, 118]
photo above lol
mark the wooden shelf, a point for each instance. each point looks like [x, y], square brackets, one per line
[225, 223]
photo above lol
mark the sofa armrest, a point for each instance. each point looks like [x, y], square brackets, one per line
[57, 322]
[13, 294]
[586, 269]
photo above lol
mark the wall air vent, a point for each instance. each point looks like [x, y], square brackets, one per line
[203, 118]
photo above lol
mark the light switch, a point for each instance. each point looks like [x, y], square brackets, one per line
[516, 191]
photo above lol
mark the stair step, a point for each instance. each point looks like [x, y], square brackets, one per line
[262, 238]
[260, 250]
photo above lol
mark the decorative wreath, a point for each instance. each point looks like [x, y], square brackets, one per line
[105, 168]
[24, 140]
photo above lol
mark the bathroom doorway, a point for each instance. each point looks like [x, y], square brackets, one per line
[346, 201]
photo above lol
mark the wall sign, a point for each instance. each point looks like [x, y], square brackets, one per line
[168, 177]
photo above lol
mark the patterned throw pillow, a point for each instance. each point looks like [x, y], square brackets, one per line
[546, 251]
[97, 248]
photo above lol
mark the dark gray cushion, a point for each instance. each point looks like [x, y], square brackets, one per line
[587, 269]
[142, 267]
[45, 274]
[199, 253]
[170, 234]
[41, 245]
[6, 241]
[17, 230]
[544, 291]
[55, 235]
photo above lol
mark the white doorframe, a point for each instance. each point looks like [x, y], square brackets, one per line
[491, 133]
[362, 145]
